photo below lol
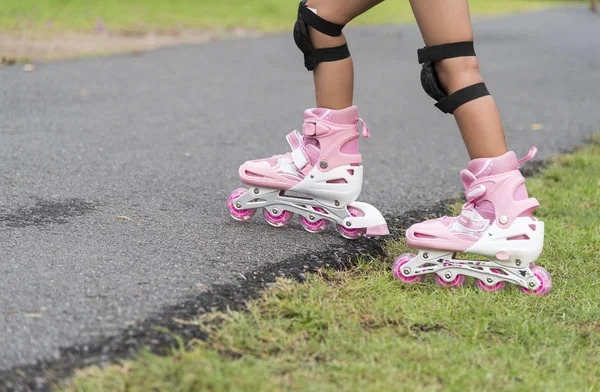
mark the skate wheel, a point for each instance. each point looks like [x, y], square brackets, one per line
[397, 269]
[458, 281]
[483, 286]
[277, 221]
[545, 282]
[352, 234]
[238, 214]
[315, 226]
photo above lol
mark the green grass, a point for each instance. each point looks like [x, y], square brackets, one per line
[359, 330]
[141, 15]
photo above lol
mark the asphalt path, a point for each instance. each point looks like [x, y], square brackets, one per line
[114, 171]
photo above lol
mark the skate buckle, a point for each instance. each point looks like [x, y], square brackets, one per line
[476, 192]
[314, 129]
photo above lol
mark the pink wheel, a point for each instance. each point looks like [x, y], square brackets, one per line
[482, 285]
[314, 226]
[545, 282]
[397, 269]
[277, 221]
[234, 211]
[458, 281]
[352, 234]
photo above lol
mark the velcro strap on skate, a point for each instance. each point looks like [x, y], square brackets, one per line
[530, 155]
[294, 139]
[299, 157]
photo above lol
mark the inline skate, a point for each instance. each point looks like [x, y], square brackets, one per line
[495, 222]
[319, 180]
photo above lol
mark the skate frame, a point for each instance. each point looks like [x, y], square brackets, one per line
[277, 201]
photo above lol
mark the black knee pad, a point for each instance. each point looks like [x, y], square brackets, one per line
[431, 84]
[313, 56]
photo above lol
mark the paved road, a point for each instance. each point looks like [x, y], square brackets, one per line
[158, 138]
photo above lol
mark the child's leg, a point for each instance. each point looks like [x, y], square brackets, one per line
[334, 80]
[496, 221]
[444, 22]
[321, 178]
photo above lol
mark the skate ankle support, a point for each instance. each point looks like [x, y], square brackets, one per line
[313, 56]
[333, 138]
[431, 84]
[500, 190]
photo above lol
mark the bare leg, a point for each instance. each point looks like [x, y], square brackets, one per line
[442, 22]
[334, 81]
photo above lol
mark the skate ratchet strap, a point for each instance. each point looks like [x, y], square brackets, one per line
[316, 129]
[313, 129]
[310, 17]
[299, 157]
[431, 54]
[530, 155]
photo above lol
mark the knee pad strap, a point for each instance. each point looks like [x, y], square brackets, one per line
[313, 56]
[453, 101]
[315, 21]
[431, 84]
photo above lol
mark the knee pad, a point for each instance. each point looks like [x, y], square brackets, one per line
[431, 84]
[313, 56]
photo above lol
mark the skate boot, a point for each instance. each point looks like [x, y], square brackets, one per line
[495, 222]
[319, 180]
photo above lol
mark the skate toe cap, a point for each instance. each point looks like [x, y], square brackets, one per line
[256, 164]
[261, 173]
[434, 234]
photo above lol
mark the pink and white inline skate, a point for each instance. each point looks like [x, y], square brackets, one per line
[319, 180]
[495, 222]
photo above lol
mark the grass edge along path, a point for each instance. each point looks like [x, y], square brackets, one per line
[360, 330]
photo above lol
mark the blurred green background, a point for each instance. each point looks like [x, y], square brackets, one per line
[39, 30]
[171, 15]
